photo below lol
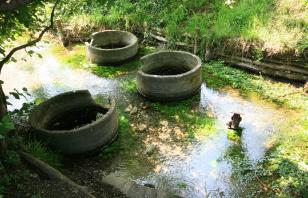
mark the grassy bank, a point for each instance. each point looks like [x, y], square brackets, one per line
[254, 27]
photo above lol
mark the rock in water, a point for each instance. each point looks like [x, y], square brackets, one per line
[235, 121]
[150, 149]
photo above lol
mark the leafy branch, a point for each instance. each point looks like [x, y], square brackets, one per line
[32, 42]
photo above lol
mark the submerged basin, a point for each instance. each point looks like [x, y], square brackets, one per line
[169, 75]
[73, 123]
[112, 47]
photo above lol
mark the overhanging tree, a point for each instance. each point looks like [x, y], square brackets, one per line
[16, 18]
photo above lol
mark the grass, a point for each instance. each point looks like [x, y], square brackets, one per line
[285, 167]
[234, 135]
[125, 140]
[220, 76]
[39, 150]
[272, 26]
[184, 112]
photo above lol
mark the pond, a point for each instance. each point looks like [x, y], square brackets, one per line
[196, 166]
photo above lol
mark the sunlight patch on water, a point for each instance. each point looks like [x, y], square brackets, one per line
[47, 77]
[208, 164]
[193, 171]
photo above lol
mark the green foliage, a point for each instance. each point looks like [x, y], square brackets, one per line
[219, 76]
[125, 139]
[182, 185]
[234, 135]
[182, 112]
[129, 85]
[28, 18]
[77, 58]
[287, 162]
[40, 151]
[10, 160]
[6, 125]
[279, 25]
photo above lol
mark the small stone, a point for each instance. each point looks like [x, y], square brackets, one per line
[34, 175]
[129, 108]
[142, 127]
[164, 123]
[144, 106]
[134, 110]
[150, 149]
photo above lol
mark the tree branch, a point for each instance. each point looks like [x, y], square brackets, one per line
[7, 6]
[33, 42]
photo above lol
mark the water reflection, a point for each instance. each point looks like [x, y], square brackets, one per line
[205, 166]
[47, 77]
[209, 165]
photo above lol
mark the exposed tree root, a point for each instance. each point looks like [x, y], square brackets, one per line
[53, 173]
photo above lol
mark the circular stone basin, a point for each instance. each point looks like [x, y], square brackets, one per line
[74, 123]
[112, 47]
[169, 76]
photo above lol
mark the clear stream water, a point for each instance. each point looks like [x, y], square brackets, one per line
[203, 168]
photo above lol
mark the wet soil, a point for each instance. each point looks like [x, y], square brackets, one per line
[76, 118]
[168, 70]
[35, 184]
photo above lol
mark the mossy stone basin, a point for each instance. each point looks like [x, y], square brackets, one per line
[112, 47]
[169, 75]
[74, 123]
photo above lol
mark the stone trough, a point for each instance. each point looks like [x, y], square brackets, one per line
[74, 123]
[112, 47]
[169, 76]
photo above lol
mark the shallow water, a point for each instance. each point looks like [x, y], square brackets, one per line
[47, 77]
[205, 167]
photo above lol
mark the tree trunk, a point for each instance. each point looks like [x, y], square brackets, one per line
[3, 111]
[3, 106]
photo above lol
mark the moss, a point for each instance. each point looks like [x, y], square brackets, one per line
[182, 185]
[234, 135]
[76, 58]
[287, 163]
[115, 71]
[129, 85]
[126, 140]
[220, 76]
[184, 112]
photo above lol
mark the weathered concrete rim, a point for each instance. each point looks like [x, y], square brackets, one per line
[135, 40]
[198, 66]
[111, 109]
